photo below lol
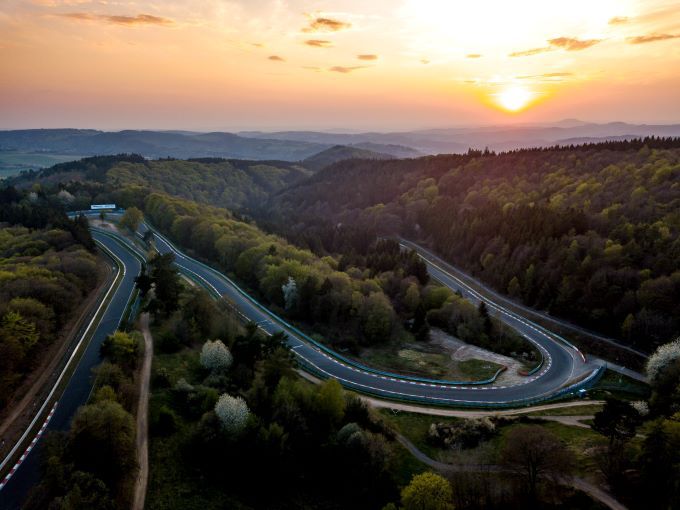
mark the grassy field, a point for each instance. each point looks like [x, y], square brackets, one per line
[620, 386]
[427, 360]
[415, 427]
[14, 162]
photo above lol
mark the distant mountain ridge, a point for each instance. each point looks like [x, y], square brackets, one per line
[498, 138]
[155, 144]
[174, 144]
[340, 153]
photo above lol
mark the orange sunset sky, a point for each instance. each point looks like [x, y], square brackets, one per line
[379, 64]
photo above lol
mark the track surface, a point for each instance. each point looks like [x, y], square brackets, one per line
[80, 384]
[563, 363]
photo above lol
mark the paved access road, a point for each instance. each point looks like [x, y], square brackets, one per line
[562, 362]
[79, 385]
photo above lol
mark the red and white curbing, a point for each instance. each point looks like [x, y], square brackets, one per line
[30, 447]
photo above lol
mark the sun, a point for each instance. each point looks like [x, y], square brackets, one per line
[514, 98]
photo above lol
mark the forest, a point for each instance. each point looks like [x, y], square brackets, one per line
[47, 268]
[230, 183]
[588, 233]
[379, 297]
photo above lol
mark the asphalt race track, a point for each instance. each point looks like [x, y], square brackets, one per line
[562, 362]
[80, 384]
[563, 369]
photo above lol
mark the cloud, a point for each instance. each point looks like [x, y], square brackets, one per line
[326, 25]
[565, 43]
[276, 58]
[619, 20]
[473, 55]
[533, 51]
[424, 61]
[140, 19]
[642, 39]
[318, 43]
[545, 76]
[573, 44]
[345, 70]
[367, 56]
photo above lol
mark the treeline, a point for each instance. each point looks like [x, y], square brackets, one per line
[94, 464]
[375, 294]
[45, 273]
[373, 299]
[588, 233]
[235, 184]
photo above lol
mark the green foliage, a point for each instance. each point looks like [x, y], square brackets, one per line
[427, 491]
[131, 219]
[122, 348]
[44, 275]
[588, 233]
[102, 441]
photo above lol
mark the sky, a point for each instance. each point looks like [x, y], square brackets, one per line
[385, 65]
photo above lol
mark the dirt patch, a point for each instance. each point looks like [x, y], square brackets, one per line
[461, 351]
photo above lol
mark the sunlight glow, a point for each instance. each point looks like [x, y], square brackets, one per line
[514, 98]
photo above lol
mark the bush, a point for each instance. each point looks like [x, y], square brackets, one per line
[233, 413]
[215, 356]
[465, 434]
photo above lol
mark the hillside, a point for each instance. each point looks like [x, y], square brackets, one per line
[235, 184]
[589, 233]
[498, 138]
[339, 153]
[154, 144]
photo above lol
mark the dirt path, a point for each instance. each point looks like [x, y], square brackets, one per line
[476, 413]
[17, 414]
[143, 417]
[578, 483]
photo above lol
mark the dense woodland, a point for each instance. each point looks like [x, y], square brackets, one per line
[234, 184]
[46, 269]
[589, 233]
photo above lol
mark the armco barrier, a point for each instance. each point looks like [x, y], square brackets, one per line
[319, 345]
[564, 393]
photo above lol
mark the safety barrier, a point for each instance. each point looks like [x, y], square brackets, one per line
[335, 355]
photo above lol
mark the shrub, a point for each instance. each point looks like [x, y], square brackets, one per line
[233, 413]
[215, 356]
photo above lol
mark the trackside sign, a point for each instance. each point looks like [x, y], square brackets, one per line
[96, 207]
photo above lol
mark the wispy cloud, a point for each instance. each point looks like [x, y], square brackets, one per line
[648, 38]
[345, 70]
[139, 19]
[565, 43]
[367, 56]
[533, 51]
[473, 55]
[547, 77]
[573, 44]
[318, 43]
[326, 25]
[619, 20]
[276, 58]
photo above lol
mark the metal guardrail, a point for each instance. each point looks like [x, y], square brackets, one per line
[322, 347]
[563, 393]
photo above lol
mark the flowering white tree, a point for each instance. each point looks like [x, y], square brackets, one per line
[641, 407]
[233, 413]
[662, 357]
[290, 292]
[215, 356]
